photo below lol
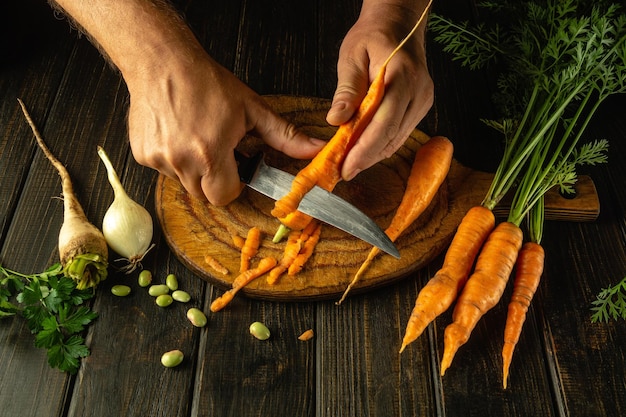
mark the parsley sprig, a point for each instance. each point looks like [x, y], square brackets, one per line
[610, 303]
[55, 312]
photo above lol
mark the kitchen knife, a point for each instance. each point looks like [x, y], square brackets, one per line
[317, 203]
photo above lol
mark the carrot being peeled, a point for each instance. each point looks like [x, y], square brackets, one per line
[528, 271]
[483, 288]
[428, 171]
[325, 169]
[441, 290]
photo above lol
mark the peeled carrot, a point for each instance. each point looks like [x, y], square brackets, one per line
[484, 287]
[243, 279]
[528, 270]
[250, 248]
[441, 290]
[429, 170]
[325, 169]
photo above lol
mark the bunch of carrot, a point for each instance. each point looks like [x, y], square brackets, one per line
[561, 64]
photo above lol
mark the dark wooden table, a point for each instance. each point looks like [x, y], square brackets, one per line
[563, 366]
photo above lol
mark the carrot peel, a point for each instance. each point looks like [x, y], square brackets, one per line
[243, 279]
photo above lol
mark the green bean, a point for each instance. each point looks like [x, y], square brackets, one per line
[120, 290]
[145, 278]
[172, 282]
[196, 317]
[259, 330]
[164, 300]
[158, 289]
[172, 358]
[181, 296]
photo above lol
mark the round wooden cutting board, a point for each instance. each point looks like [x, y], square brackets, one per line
[197, 231]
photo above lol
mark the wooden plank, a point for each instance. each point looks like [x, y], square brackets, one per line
[237, 373]
[581, 260]
[32, 69]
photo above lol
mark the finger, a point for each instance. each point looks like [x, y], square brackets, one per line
[385, 133]
[352, 84]
[285, 136]
[221, 185]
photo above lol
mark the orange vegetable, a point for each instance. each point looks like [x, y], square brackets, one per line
[307, 250]
[429, 170]
[215, 265]
[306, 335]
[250, 248]
[441, 290]
[528, 270]
[298, 241]
[325, 169]
[484, 287]
[238, 241]
[243, 279]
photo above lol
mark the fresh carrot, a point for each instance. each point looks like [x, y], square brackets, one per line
[243, 279]
[528, 270]
[484, 287]
[307, 250]
[325, 168]
[441, 290]
[250, 248]
[83, 250]
[428, 171]
[215, 265]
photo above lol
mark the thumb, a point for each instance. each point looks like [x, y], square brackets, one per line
[352, 86]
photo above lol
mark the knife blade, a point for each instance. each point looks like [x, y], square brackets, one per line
[318, 203]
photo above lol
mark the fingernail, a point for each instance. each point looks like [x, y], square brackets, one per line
[353, 174]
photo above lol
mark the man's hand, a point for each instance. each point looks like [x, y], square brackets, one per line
[409, 88]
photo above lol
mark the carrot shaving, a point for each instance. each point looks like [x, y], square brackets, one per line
[307, 250]
[250, 248]
[238, 241]
[243, 279]
[215, 265]
[484, 287]
[306, 335]
[292, 248]
[428, 171]
[528, 271]
[441, 290]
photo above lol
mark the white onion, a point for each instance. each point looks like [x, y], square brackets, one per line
[127, 225]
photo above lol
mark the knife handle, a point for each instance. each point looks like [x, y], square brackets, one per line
[247, 165]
